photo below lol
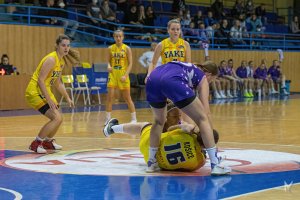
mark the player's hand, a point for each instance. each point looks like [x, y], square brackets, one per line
[70, 103]
[52, 105]
[146, 79]
[109, 69]
[185, 127]
[123, 78]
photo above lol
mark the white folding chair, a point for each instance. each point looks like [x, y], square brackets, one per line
[83, 88]
[68, 81]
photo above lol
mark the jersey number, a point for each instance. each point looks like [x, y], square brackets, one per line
[173, 153]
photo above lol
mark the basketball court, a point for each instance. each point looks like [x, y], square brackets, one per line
[260, 140]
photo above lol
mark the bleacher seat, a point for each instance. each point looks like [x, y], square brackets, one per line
[157, 6]
[166, 7]
[120, 16]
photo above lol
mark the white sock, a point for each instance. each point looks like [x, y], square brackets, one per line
[39, 139]
[118, 128]
[250, 90]
[108, 115]
[133, 116]
[212, 154]
[152, 153]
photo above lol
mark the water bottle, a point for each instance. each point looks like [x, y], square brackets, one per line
[15, 70]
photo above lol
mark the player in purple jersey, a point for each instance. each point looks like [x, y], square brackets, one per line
[241, 72]
[261, 73]
[177, 81]
[277, 76]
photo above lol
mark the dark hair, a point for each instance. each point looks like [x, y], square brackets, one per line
[4, 56]
[208, 66]
[216, 138]
[61, 37]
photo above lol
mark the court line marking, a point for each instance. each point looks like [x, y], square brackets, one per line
[17, 194]
[258, 191]
[91, 138]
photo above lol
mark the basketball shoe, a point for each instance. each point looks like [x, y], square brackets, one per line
[152, 166]
[107, 131]
[218, 169]
[51, 144]
[37, 146]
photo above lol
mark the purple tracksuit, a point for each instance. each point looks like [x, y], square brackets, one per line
[261, 73]
[241, 72]
[274, 72]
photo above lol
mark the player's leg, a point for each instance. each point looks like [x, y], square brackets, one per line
[113, 126]
[159, 114]
[109, 102]
[195, 111]
[47, 131]
[131, 107]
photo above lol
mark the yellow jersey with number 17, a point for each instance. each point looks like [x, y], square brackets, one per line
[173, 51]
[119, 56]
[178, 150]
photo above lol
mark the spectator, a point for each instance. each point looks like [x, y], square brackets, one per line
[132, 17]
[191, 31]
[198, 18]
[186, 19]
[211, 30]
[249, 8]
[93, 11]
[150, 16]
[5, 67]
[112, 5]
[238, 8]
[70, 26]
[260, 12]
[218, 9]
[209, 19]
[295, 25]
[107, 14]
[256, 24]
[50, 13]
[222, 34]
[203, 36]
[121, 5]
[236, 33]
[178, 5]
[146, 59]
[141, 14]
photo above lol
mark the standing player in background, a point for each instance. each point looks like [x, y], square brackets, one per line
[186, 78]
[119, 67]
[39, 95]
[146, 59]
[180, 147]
[171, 49]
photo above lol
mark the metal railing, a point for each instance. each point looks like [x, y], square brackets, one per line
[135, 35]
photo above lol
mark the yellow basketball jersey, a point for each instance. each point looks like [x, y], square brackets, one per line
[178, 150]
[173, 52]
[33, 93]
[119, 56]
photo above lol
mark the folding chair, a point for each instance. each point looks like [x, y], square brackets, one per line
[68, 81]
[82, 82]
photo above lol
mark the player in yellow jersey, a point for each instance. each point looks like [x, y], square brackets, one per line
[119, 67]
[172, 48]
[39, 95]
[180, 148]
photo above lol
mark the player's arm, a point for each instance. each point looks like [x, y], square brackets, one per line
[155, 58]
[203, 91]
[109, 67]
[62, 90]
[45, 70]
[129, 58]
[188, 53]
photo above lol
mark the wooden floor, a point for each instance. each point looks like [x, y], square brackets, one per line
[272, 124]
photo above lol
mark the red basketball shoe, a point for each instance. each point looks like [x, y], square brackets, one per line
[37, 146]
[51, 144]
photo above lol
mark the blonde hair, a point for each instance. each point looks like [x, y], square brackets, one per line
[173, 21]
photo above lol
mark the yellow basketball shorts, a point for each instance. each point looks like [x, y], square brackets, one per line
[114, 79]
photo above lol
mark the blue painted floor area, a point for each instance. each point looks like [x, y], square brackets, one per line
[35, 185]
